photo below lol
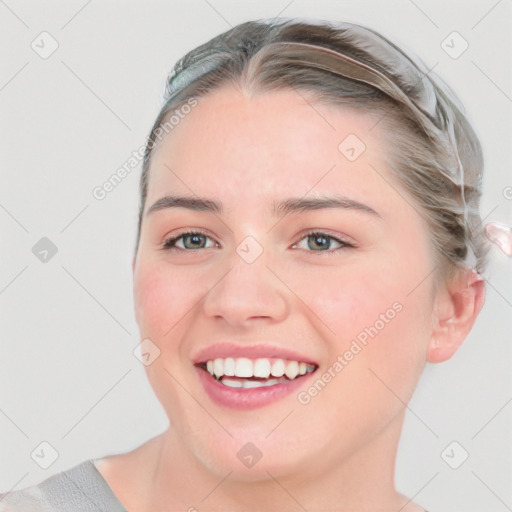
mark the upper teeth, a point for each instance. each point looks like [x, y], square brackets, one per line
[261, 368]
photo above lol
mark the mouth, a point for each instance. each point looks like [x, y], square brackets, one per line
[242, 382]
[242, 372]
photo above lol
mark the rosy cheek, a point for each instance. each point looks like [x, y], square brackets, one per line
[351, 304]
[351, 300]
[160, 299]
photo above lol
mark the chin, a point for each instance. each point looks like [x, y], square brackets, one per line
[248, 457]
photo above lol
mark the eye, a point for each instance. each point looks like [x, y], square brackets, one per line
[317, 241]
[322, 241]
[192, 240]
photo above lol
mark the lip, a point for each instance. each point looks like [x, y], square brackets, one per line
[248, 398]
[223, 350]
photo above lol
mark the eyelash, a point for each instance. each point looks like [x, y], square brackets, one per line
[169, 244]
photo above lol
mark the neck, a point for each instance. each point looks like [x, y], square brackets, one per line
[363, 482]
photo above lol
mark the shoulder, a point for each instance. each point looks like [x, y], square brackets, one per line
[78, 489]
[24, 500]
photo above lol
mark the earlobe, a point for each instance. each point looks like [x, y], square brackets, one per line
[456, 308]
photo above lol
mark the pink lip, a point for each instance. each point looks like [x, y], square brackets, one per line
[223, 350]
[250, 398]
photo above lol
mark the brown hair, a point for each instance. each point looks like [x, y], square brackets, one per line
[436, 155]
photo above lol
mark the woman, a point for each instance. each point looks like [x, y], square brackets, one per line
[309, 237]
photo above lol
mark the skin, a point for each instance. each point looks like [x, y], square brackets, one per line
[338, 451]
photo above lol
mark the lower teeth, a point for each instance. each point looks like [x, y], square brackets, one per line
[232, 383]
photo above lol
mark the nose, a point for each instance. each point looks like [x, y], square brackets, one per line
[246, 292]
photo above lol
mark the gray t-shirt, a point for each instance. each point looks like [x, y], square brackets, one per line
[78, 489]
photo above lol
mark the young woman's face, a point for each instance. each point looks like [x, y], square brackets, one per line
[353, 300]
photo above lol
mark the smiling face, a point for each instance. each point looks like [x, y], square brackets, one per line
[254, 283]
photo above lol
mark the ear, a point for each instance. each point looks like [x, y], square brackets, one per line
[133, 265]
[457, 305]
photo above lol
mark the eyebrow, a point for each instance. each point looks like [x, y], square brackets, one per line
[291, 205]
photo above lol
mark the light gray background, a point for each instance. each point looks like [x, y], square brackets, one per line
[67, 372]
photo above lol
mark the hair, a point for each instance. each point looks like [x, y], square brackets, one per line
[435, 156]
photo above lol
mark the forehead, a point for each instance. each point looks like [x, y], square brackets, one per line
[268, 144]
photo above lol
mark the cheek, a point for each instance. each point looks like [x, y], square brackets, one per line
[161, 298]
[380, 330]
[162, 301]
[379, 304]
[349, 298]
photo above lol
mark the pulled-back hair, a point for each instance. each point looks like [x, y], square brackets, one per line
[435, 156]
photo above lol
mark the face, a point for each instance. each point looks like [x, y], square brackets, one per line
[345, 289]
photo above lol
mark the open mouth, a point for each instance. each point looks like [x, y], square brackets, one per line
[244, 373]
